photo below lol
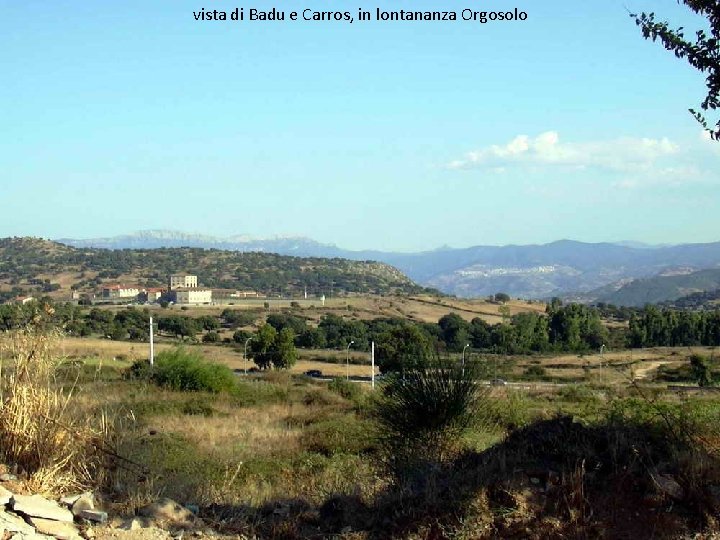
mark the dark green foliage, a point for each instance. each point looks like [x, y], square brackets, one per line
[454, 331]
[423, 414]
[502, 297]
[283, 320]
[179, 369]
[654, 327]
[703, 54]
[235, 317]
[535, 372]
[701, 370]
[141, 370]
[343, 387]
[211, 337]
[403, 347]
[270, 348]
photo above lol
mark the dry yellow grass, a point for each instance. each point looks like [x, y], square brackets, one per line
[245, 434]
[40, 427]
[109, 350]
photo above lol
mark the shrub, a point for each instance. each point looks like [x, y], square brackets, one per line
[344, 388]
[179, 369]
[423, 414]
[211, 337]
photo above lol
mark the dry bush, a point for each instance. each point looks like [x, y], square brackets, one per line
[41, 432]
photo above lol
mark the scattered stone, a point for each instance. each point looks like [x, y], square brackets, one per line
[7, 477]
[86, 501]
[88, 533]
[5, 496]
[133, 524]
[69, 500]
[95, 516]
[40, 507]
[168, 511]
[58, 529]
[13, 524]
[668, 486]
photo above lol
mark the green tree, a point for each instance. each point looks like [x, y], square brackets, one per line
[700, 366]
[283, 349]
[702, 53]
[502, 297]
[261, 347]
[403, 348]
[454, 331]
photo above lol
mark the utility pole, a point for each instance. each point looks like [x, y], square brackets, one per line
[347, 361]
[372, 363]
[152, 344]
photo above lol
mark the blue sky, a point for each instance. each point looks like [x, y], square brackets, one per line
[121, 116]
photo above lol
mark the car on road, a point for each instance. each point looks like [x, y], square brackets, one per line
[313, 373]
[498, 382]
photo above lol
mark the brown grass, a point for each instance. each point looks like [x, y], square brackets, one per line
[40, 431]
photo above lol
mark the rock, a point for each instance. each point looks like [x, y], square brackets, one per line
[69, 500]
[5, 496]
[133, 524]
[668, 486]
[92, 515]
[167, 511]
[40, 507]
[86, 501]
[58, 529]
[13, 524]
[7, 477]
[88, 533]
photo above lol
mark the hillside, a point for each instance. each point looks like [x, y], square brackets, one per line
[663, 288]
[35, 265]
[559, 268]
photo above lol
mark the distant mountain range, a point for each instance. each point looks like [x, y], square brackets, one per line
[575, 270]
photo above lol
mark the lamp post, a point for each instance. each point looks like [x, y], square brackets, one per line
[602, 358]
[347, 360]
[463, 357]
[248, 340]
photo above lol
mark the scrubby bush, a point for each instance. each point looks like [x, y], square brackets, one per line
[344, 388]
[423, 414]
[179, 369]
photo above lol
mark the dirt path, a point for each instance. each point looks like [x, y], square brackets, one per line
[643, 371]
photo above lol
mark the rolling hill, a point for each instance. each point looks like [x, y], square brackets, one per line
[563, 268]
[663, 288]
[36, 265]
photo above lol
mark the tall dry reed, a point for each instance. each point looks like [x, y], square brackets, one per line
[41, 432]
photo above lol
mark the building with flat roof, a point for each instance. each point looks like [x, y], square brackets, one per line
[182, 281]
[120, 291]
[191, 296]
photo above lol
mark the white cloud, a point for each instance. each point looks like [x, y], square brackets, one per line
[624, 154]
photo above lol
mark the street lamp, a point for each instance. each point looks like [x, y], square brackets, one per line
[248, 340]
[463, 357]
[347, 361]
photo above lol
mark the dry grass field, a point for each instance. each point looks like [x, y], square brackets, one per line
[614, 367]
[415, 308]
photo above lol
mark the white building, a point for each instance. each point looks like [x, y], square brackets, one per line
[183, 281]
[120, 291]
[191, 296]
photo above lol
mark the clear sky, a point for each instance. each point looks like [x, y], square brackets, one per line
[127, 115]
